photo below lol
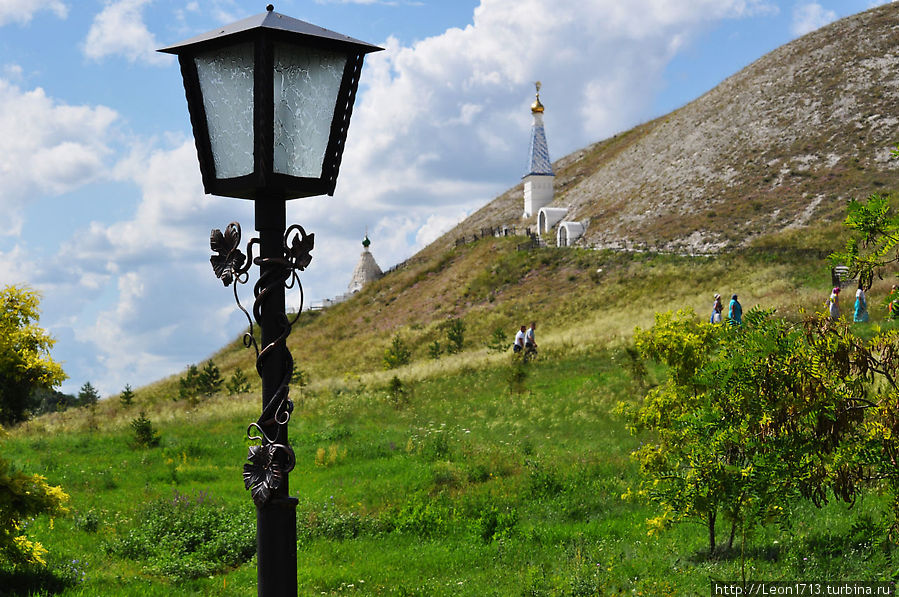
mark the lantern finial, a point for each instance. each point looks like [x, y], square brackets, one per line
[270, 7]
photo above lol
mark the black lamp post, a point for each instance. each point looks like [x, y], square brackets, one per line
[270, 99]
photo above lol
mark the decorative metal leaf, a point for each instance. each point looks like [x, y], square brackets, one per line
[228, 259]
[262, 474]
[301, 250]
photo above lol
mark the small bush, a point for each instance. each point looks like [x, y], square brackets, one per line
[435, 350]
[543, 481]
[89, 521]
[397, 354]
[424, 516]
[495, 523]
[397, 393]
[455, 334]
[186, 537]
[238, 384]
[517, 374]
[498, 341]
[145, 435]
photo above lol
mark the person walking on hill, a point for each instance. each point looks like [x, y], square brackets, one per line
[893, 303]
[716, 310]
[530, 342]
[735, 311]
[833, 304]
[861, 305]
[518, 346]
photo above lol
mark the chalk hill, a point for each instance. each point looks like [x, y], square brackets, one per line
[781, 144]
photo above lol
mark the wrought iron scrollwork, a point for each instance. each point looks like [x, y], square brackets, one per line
[271, 460]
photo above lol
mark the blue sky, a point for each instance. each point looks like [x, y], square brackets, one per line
[100, 192]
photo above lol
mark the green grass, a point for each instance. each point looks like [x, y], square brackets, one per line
[463, 484]
[466, 489]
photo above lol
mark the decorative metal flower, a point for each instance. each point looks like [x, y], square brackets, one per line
[262, 474]
[229, 259]
[300, 250]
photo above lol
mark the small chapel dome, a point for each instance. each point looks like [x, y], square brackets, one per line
[366, 271]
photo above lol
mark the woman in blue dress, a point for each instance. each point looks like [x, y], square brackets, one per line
[861, 305]
[735, 311]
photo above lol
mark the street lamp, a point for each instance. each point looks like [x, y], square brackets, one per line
[270, 99]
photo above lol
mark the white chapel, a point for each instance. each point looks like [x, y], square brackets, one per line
[366, 271]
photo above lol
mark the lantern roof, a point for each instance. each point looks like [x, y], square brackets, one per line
[276, 22]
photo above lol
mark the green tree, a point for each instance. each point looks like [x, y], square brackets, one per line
[748, 419]
[145, 435]
[189, 384]
[22, 497]
[435, 350]
[210, 379]
[498, 341]
[25, 363]
[127, 396]
[397, 354]
[238, 384]
[455, 334]
[88, 395]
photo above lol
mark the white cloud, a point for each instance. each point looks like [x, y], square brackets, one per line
[441, 127]
[15, 11]
[119, 30]
[47, 147]
[454, 107]
[810, 16]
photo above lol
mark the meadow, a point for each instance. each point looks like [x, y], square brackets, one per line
[458, 486]
[463, 475]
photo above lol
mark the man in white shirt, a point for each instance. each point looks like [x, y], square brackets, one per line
[519, 340]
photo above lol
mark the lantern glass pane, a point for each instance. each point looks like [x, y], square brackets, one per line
[226, 82]
[306, 84]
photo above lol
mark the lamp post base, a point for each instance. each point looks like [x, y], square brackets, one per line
[276, 547]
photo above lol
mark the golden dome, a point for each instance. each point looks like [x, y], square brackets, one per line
[537, 107]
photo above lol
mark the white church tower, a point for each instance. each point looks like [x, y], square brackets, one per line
[538, 182]
[366, 271]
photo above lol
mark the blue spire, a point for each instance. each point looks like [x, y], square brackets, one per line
[538, 151]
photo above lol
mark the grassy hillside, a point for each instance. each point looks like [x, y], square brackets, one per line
[456, 480]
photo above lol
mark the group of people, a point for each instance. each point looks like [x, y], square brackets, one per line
[525, 340]
[734, 311]
[860, 313]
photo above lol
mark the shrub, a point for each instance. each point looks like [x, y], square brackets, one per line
[145, 435]
[24, 496]
[424, 516]
[517, 374]
[498, 341]
[186, 537]
[397, 354]
[495, 523]
[435, 350]
[455, 334]
[397, 392]
[238, 384]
